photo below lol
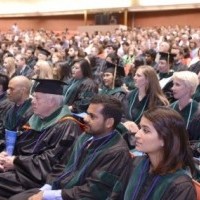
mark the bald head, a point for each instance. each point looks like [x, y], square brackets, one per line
[19, 89]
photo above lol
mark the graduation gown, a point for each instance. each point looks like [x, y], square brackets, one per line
[194, 129]
[5, 105]
[144, 185]
[96, 172]
[135, 108]
[17, 116]
[45, 143]
[78, 94]
[196, 95]
[117, 92]
[188, 112]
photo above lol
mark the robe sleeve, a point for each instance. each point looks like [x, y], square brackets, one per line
[37, 166]
[108, 177]
[181, 189]
[86, 91]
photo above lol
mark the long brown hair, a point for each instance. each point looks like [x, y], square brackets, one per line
[170, 127]
[153, 89]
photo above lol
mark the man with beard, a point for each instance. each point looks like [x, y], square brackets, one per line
[100, 162]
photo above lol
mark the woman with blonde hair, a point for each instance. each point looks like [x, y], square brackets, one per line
[42, 70]
[9, 65]
[184, 87]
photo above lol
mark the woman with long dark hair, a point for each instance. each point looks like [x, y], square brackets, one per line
[81, 87]
[164, 172]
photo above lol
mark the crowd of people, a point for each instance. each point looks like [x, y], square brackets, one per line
[102, 116]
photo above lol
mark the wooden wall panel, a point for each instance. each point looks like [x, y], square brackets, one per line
[172, 17]
[143, 19]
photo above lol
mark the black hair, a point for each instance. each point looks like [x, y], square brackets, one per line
[112, 107]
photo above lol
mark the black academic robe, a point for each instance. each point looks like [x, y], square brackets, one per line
[38, 151]
[5, 105]
[17, 116]
[170, 186]
[107, 165]
[134, 108]
[118, 92]
[195, 67]
[78, 94]
[196, 95]
[194, 128]
[100, 172]
[188, 112]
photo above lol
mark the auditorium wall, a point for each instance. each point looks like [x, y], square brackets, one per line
[148, 18]
[158, 18]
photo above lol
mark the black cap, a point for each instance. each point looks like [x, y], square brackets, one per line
[49, 86]
[169, 57]
[44, 51]
[115, 46]
[110, 67]
[126, 43]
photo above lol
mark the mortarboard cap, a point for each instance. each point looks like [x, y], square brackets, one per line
[115, 46]
[126, 43]
[169, 57]
[49, 86]
[110, 67]
[44, 51]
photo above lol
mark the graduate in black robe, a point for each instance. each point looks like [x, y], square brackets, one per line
[100, 162]
[147, 94]
[184, 87]
[18, 92]
[45, 142]
[81, 88]
[112, 81]
[165, 171]
[20, 110]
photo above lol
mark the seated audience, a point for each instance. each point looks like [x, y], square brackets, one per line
[100, 162]
[45, 141]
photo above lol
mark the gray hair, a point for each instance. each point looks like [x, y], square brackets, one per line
[189, 78]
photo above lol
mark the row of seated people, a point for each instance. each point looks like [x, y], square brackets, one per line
[47, 165]
[141, 82]
[147, 91]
